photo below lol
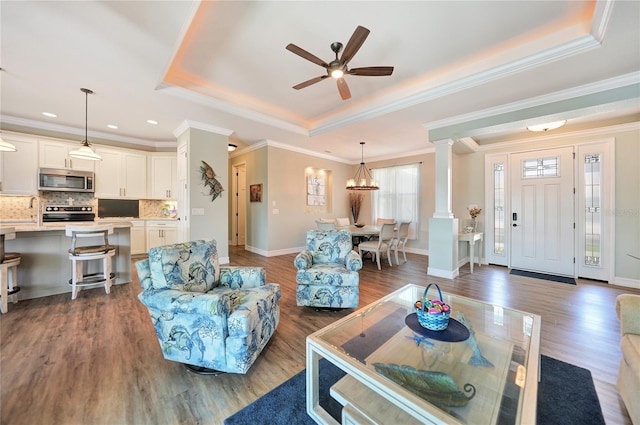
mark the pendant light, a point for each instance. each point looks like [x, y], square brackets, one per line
[85, 151]
[362, 179]
[6, 146]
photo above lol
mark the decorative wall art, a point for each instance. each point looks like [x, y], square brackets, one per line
[255, 192]
[318, 190]
[210, 181]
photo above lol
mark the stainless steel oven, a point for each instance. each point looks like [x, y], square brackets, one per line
[65, 213]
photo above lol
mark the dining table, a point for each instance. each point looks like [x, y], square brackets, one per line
[366, 231]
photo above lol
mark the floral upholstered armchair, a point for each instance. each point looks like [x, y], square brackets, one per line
[327, 273]
[208, 317]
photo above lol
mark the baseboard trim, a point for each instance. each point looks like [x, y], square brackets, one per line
[626, 282]
[446, 274]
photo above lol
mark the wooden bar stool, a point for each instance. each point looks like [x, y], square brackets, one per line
[8, 271]
[81, 255]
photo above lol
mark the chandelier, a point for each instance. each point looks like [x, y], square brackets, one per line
[362, 179]
[85, 151]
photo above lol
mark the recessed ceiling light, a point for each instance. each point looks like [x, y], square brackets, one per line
[152, 122]
[115, 127]
[49, 114]
[547, 126]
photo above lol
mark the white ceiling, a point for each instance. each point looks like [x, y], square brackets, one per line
[463, 69]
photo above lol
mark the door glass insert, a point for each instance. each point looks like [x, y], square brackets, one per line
[498, 208]
[540, 167]
[592, 210]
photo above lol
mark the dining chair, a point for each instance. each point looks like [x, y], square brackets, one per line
[326, 225]
[381, 221]
[400, 240]
[383, 244]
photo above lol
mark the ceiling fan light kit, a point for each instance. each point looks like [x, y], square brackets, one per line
[337, 68]
[362, 180]
[85, 151]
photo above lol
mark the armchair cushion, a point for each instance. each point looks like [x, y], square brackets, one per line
[189, 266]
[329, 246]
[303, 260]
[242, 277]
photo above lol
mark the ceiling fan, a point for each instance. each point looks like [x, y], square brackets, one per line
[337, 68]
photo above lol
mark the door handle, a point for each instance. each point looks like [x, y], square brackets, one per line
[514, 225]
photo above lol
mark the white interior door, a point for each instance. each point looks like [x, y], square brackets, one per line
[239, 207]
[542, 211]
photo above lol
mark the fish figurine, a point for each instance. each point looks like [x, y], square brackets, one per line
[477, 359]
[436, 387]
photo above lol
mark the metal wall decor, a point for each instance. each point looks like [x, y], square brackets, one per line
[210, 181]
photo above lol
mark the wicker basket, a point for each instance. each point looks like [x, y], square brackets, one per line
[432, 321]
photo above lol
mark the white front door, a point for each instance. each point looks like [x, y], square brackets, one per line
[542, 211]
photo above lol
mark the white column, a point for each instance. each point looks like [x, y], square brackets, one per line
[443, 178]
[443, 227]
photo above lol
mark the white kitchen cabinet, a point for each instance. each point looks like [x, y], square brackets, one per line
[121, 174]
[138, 237]
[19, 170]
[54, 154]
[161, 232]
[164, 176]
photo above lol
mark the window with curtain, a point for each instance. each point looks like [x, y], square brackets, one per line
[397, 197]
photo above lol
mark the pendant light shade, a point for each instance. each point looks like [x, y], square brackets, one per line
[362, 180]
[6, 146]
[85, 151]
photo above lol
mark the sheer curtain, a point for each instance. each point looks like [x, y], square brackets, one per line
[397, 197]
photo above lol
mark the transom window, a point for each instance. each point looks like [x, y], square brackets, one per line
[540, 167]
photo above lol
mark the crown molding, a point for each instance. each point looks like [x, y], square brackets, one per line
[232, 109]
[600, 21]
[556, 53]
[566, 94]
[187, 124]
[72, 131]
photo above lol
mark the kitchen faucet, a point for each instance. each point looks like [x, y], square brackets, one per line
[38, 212]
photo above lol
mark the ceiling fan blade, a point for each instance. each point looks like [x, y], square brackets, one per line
[354, 44]
[372, 71]
[306, 55]
[343, 88]
[309, 82]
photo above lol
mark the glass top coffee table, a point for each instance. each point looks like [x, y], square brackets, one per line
[483, 369]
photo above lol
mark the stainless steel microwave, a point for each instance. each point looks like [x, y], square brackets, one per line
[63, 180]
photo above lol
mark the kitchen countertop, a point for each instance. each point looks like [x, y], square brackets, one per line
[49, 227]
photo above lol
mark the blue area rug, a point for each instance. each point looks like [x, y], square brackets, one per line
[551, 277]
[566, 394]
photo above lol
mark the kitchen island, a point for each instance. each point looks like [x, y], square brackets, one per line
[45, 268]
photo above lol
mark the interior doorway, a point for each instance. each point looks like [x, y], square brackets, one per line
[239, 215]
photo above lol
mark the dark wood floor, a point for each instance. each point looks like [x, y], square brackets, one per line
[96, 360]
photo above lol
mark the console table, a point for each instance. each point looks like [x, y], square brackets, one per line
[472, 238]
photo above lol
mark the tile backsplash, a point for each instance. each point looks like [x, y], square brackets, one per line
[15, 208]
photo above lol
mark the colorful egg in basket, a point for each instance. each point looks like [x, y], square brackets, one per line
[432, 314]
